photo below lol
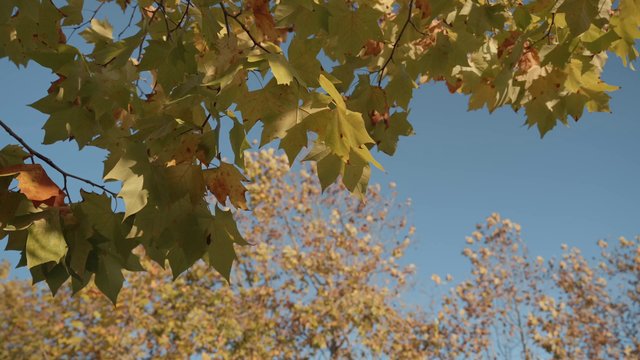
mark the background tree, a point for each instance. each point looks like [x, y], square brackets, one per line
[324, 279]
[514, 306]
[336, 77]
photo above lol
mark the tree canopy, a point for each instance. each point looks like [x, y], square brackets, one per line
[153, 86]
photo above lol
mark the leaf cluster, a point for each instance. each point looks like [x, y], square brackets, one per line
[334, 80]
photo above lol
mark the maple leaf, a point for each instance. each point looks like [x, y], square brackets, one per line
[226, 181]
[35, 184]
[265, 22]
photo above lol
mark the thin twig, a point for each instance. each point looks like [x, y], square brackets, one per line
[244, 27]
[416, 29]
[166, 19]
[395, 44]
[133, 13]
[548, 33]
[226, 20]
[49, 162]
[93, 16]
[206, 120]
[184, 15]
[58, 9]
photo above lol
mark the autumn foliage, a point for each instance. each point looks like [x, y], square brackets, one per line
[174, 92]
[324, 279]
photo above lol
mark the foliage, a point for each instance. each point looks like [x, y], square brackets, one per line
[334, 76]
[324, 280]
[514, 306]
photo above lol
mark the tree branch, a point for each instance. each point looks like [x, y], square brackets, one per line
[244, 27]
[133, 14]
[93, 16]
[166, 19]
[50, 162]
[226, 19]
[547, 35]
[184, 15]
[57, 9]
[395, 44]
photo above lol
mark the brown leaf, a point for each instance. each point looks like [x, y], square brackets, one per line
[226, 181]
[373, 48]
[529, 58]
[453, 87]
[431, 34]
[186, 150]
[265, 22]
[35, 184]
[377, 117]
[55, 85]
[425, 8]
[507, 45]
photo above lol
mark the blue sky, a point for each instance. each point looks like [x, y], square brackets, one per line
[575, 186]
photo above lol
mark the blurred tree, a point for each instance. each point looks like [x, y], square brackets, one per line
[324, 280]
[513, 306]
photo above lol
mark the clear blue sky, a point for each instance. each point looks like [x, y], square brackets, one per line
[575, 186]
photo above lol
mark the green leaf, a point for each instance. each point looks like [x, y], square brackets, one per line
[239, 143]
[45, 240]
[400, 87]
[579, 14]
[351, 28]
[96, 209]
[55, 277]
[73, 10]
[109, 277]
[329, 168]
[223, 233]
[387, 135]
[132, 192]
[74, 122]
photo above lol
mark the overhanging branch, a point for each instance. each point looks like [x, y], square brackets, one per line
[50, 162]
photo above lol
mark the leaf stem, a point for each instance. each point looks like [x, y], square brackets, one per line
[395, 44]
[50, 162]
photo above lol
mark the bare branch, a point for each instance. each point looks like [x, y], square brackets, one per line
[133, 14]
[50, 162]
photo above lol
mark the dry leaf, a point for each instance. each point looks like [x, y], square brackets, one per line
[373, 48]
[226, 181]
[35, 184]
[265, 22]
[425, 8]
[186, 150]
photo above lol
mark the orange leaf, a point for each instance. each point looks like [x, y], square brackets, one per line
[35, 184]
[425, 8]
[373, 48]
[265, 22]
[226, 181]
